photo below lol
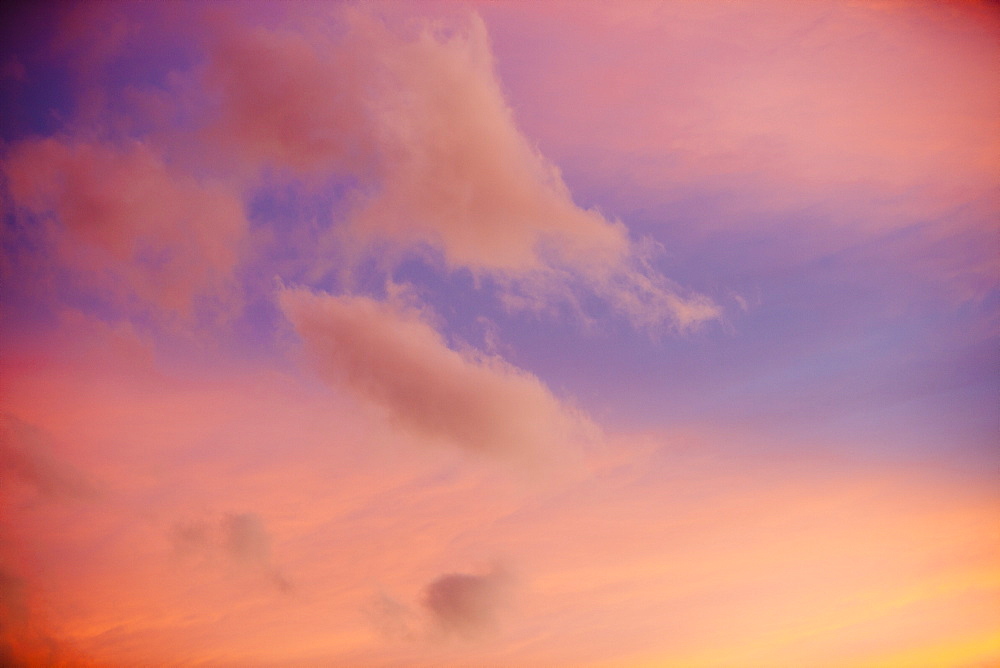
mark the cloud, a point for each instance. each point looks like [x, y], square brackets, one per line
[388, 353]
[791, 101]
[468, 604]
[415, 117]
[125, 222]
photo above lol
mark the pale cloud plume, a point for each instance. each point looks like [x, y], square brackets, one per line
[415, 115]
[388, 353]
[124, 222]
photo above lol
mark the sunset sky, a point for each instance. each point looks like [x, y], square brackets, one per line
[544, 334]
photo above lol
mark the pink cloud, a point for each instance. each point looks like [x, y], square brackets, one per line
[127, 224]
[285, 100]
[389, 354]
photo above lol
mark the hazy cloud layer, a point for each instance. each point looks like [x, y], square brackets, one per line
[389, 353]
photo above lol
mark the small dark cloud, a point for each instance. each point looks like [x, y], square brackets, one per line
[468, 604]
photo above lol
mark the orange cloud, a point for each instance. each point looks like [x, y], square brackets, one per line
[388, 353]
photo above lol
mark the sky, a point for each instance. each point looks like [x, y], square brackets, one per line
[500, 334]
